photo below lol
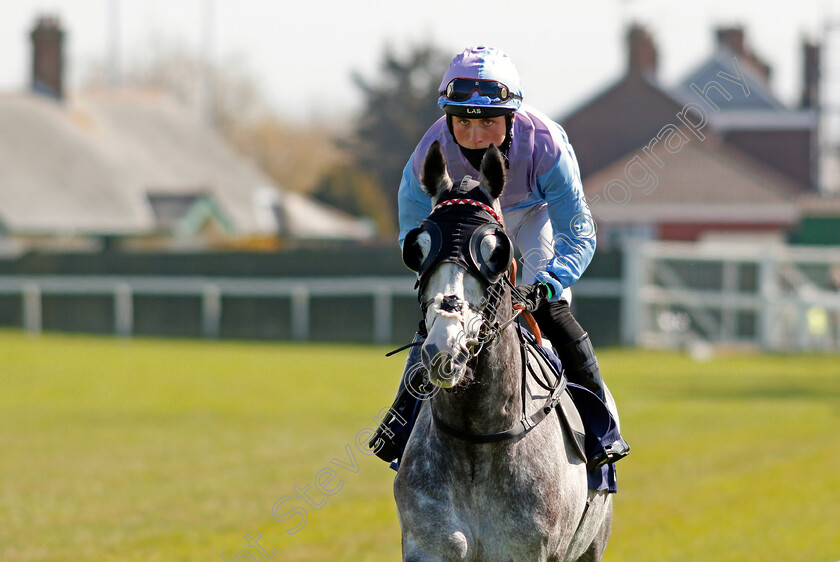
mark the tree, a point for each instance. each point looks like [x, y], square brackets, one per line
[222, 93]
[355, 191]
[295, 155]
[400, 105]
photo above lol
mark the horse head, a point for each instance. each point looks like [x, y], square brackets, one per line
[461, 253]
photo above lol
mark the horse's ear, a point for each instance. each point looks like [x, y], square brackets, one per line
[493, 172]
[435, 177]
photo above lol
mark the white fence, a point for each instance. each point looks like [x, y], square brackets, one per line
[770, 296]
[210, 291]
[671, 295]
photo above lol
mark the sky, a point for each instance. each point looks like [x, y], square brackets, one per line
[301, 54]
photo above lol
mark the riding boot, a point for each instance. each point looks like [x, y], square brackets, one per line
[390, 438]
[581, 368]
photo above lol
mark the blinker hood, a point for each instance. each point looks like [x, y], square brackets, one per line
[456, 234]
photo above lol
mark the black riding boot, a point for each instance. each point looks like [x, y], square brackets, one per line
[581, 368]
[390, 438]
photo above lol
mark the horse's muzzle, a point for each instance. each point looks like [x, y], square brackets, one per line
[446, 367]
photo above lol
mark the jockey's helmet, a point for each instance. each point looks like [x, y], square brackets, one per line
[480, 82]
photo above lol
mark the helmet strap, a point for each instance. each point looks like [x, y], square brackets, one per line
[508, 134]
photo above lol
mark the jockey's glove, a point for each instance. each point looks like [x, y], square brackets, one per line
[532, 296]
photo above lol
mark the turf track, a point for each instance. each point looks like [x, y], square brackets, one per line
[175, 450]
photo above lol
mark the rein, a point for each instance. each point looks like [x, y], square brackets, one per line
[490, 329]
[525, 423]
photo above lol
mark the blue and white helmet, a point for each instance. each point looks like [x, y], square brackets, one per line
[480, 82]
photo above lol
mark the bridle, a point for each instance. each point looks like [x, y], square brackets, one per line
[491, 325]
[525, 423]
[495, 280]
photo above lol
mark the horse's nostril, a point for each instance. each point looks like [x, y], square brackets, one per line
[443, 364]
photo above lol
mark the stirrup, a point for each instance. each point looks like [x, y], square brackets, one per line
[381, 443]
[610, 454]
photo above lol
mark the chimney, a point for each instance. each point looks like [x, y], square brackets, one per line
[641, 53]
[810, 75]
[732, 38]
[48, 57]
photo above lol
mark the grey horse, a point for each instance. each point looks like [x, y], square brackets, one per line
[520, 499]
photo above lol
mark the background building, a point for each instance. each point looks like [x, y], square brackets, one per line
[93, 169]
[715, 155]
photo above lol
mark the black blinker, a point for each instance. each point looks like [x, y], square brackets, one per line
[456, 234]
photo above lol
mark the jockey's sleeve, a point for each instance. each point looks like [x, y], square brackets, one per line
[414, 203]
[571, 221]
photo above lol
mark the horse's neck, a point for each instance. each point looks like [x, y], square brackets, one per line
[493, 402]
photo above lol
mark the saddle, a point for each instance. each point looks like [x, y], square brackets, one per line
[570, 418]
[586, 420]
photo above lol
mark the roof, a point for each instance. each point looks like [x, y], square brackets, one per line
[708, 181]
[758, 109]
[759, 96]
[627, 113]
[309, 219]
[87, 165]
[54, 178]
[185, 214]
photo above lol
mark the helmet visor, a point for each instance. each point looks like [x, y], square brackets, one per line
[462, 89]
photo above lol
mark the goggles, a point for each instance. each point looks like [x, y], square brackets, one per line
[462, 89]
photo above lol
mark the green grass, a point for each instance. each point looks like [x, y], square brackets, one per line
[172, 450]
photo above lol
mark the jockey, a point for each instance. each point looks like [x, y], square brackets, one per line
[545, 214]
